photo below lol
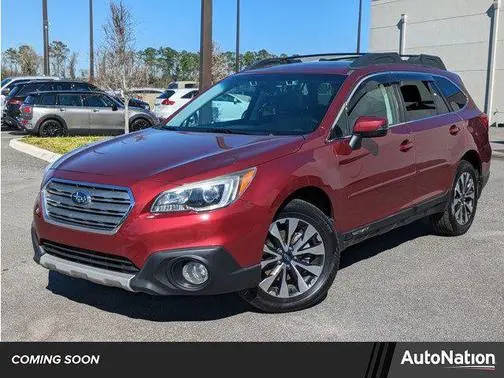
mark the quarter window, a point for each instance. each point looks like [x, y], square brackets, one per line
[455, 97]
[418, 100]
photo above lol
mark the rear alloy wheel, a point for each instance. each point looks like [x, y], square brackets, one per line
[52, 128]
[140, 124]
[459, 213]
[299, 262]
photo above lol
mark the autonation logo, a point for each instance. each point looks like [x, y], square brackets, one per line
[451, 359]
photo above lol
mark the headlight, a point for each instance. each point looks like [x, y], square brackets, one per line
[204, 195]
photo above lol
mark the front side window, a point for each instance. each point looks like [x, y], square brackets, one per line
[377, 102]
[94, 101]
[69, 100]
[418, 99]
[455, 97]
[279, 104]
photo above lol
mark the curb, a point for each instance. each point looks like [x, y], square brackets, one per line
[34, 151]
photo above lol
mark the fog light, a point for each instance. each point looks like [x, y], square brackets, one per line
[195, 273]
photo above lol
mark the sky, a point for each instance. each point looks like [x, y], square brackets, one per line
[279, 26]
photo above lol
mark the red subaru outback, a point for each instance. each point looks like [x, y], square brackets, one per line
[259, 183]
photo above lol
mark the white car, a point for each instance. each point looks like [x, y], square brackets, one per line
[230, 106]
[172, 100]
[10, 82]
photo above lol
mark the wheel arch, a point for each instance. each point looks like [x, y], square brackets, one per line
[473, 157]
[50, 117]
[311, 194]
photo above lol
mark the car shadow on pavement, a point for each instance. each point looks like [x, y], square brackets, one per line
[200, 308]
[144, 306]
[379, 244]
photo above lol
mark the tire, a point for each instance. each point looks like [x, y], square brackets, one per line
[309, 233]
[461, 207]
[140, 124]
[51, 128]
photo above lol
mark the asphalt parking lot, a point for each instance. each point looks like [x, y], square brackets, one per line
[406, 285]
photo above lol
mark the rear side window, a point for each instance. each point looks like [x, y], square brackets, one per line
[418, 99]
[30, 100]
[69, 100]
[167, 94]
[47, 99]
[455, 97]
[62, 86]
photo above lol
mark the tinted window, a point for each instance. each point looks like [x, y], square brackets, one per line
[28, 88]
[59, 86]
[84, 87]
[439, 102]
[94, 101]
[190, 94]
[455, 97]
[69, 100]
[278, 104]
[190, 86]
[167, 94]
[30, 100]
[377, 102]
[173, 86]
[108, 101]
[47, 99]
[14, 83]
[418, 99]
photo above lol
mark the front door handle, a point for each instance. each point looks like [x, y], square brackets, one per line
[62, 109]
[95, 110]
[406, 145]
[454, 130]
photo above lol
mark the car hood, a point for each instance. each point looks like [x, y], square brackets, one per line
[173, 155]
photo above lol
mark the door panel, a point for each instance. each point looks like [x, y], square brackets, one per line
[430, 123]
[106, 119]
[378, 179]
[71, 110]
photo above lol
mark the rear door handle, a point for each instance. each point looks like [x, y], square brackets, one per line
[406, 145]
[454, 130]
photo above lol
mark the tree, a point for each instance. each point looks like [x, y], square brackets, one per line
[58, 52]
[188, 66]
[11, 58]
[120, 66]
[72, 65]
[220, 64]
[28, 60]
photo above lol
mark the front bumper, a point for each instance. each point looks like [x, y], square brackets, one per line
[159, 275]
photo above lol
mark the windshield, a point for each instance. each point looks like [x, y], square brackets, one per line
[278, 104]
[5, 81]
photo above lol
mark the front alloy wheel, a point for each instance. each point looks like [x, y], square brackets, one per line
[293, 258]
[299, 261]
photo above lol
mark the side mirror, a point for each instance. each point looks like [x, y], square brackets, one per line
[368, 127]
[5, 91]
[114, 108]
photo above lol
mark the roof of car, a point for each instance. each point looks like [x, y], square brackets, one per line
[321, 67]
[67, 92]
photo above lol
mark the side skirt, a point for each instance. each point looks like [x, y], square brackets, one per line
[404, 217]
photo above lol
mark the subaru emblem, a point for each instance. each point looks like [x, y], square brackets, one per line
[81, 197]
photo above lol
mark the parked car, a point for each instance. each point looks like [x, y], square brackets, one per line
[146, 94]
[327, 154]
[172, 100]
[58, 113]
[182, 85]
[10, 82]
[134, 102]
[19, 93]
[7, 85]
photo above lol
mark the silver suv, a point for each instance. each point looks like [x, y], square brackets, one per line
[58, 113]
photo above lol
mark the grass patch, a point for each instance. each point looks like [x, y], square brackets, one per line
[61, 145]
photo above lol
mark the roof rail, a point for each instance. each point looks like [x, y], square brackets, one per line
[358, 60]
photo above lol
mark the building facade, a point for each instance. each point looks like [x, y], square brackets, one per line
[467, 34]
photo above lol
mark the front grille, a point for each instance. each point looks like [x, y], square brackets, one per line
[105, 210]
[90, 258]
